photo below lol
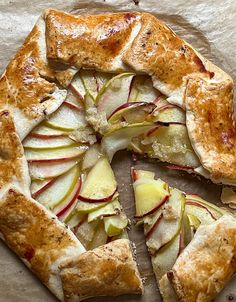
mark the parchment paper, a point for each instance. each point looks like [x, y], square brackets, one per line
[210, 27]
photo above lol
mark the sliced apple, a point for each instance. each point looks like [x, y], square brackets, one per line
[100, 182]
[110, 209]
[86, 232]
[77, 87]
[73, 101]
[137, 174]
[50, 170]
[55, 155]
[167, 224]
[171, 144]
[91, 156]
[65, 209]
[204, 211]
[75, 220]
[121, 138]
[166, 257]
[114, 93]
[66, 119]
[39, 186]
[100, 236]
[42, 131]
[115, 225]
[191, 224]
[150, 195]
[142, 90]
[132, 112]
[61, 189]
[46, 143]
[90, 83]
[170, 113]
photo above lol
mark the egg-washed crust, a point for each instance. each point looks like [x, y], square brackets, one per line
[78, 281]
[207, 263]
[13, 165]
[37, 237]
[30, 90]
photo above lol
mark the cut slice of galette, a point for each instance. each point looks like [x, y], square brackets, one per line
[191, 241]
[78, 90]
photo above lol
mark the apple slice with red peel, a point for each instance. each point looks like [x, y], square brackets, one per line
[115, 225]
[46, 143]
[142, 90]
[39, 186]
[171, 144]
[110, 209]
[170, 113]
[114, 93]
[65, 208]
[150, 195]
[55, 155]
[98, 188]
[203, 210]
[167, 224]
[132, 112]
[55, 195]
[66, 119]
[50, 170]
[91, 156]
[73, 101]
[75, 220]
[77, 87]
[138, 174]
[121, 138]
[44, 132]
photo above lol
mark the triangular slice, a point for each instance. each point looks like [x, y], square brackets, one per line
[171, 227]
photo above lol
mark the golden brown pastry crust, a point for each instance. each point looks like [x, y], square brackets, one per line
[37, 237]
[13, 165]
[207, 263]
[89, 41]
[106, 270]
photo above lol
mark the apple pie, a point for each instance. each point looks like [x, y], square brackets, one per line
[80, 89]
[191, 241]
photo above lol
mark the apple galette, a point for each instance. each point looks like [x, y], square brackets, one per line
[78, 90]
[192, 242]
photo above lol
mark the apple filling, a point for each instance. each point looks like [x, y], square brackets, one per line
[170, 218]
[68, 153]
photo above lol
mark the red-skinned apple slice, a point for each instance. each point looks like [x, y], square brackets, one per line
[55, 155]
[114, 93]
[51, 169]
[77, 87]
[98, 188]
[44, 132]
[39, 186]
[46, 143]
[112, 208]
[91, 156]
[66, 119]
[138, 174]
[150, 195]
[180, 168]
[132, 112]
[142, 90]
[55, 196]
[121, 138]
[64, 210]
[168, 222]
[170, 113]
